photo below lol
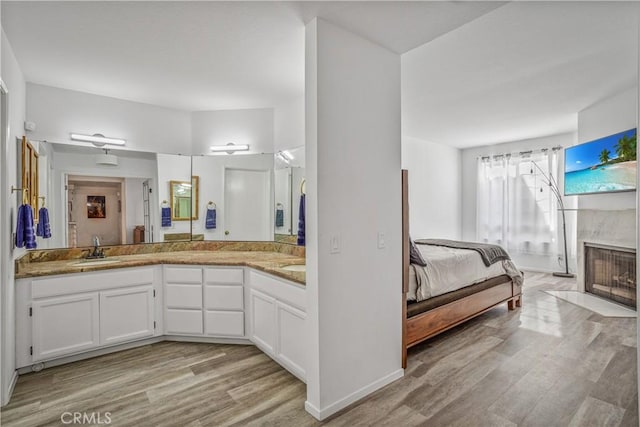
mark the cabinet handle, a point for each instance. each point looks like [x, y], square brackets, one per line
[226, 232]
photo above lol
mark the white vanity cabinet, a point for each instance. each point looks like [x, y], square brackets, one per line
[204, 301]
[277, 316]
[63, 315]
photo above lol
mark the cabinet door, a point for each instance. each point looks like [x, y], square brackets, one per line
[65, 325]
[263, 321]
[126, 314]
[291, 349]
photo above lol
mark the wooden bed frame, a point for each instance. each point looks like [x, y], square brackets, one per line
[432, 322]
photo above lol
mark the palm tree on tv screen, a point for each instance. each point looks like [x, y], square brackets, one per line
[604, 156]
[626, 148]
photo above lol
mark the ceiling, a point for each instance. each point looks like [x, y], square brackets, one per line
[523, 71]
[489, 72]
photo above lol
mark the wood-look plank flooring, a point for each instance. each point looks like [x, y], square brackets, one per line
[550, 363]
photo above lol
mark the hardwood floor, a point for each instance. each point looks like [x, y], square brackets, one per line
[549, 363]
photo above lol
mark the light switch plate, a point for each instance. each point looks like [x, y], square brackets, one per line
[381, 240]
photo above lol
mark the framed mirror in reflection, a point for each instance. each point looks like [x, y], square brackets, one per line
[184, 199]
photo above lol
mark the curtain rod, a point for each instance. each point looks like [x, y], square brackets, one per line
[525, 153]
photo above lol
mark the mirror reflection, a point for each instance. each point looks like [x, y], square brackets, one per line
[126, 197]
[237, 197]
[91, 192]
[289, 186]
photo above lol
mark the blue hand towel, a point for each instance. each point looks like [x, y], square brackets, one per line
[20, 227]
[210, 222]
[29, 228]
[44, 226]
[279, 217]
[301, 221]
[166, 217]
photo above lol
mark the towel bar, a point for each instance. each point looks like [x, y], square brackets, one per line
[13, 189]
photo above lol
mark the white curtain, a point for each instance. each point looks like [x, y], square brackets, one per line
[516, 207]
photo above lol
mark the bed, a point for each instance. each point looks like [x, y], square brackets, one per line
[457, 284]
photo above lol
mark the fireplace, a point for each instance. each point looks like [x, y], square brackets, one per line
[610, 272]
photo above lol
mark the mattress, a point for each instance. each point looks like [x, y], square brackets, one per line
[450, 269]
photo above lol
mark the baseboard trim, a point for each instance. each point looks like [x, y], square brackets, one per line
[12, 385]
[321, 414]
[126, 346]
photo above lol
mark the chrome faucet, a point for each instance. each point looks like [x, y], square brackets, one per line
[97, 251]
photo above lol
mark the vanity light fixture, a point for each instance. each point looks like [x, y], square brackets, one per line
[97, 139]
[230, 148]
[285, 156]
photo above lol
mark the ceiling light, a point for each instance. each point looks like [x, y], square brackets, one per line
[230, 148]
[97, 139]
[287, 155]
[106, 159]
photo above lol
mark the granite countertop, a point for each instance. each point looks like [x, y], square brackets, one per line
[269, 262]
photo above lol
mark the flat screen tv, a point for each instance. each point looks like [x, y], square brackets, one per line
[604, 165]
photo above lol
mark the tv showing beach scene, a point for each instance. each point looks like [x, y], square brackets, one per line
[601, 166]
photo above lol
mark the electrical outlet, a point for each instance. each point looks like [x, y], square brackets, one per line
[381, 240]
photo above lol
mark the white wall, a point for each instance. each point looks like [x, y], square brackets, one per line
[469, 191]
[211, 170]
[58, 112]
[289, 124]
[354, 192]
[134, 206]
[14, 80]
[435, 183]
[252, 126]
[615, 114]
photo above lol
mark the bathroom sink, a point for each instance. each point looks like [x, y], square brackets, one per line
[295, 267]
[90, 262]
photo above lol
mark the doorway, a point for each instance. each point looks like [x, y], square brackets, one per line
[95, 209]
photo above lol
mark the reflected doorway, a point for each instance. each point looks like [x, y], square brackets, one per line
[95, 208]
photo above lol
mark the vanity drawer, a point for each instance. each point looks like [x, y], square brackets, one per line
[183, 321]
[224, 323]
[183, 296]
[223, 297]
[183, 275]
[224, 275]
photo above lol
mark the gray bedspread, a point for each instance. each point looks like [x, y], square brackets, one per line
[490, 254]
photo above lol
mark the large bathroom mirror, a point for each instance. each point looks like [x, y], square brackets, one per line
[289, 176]
[131, 197]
